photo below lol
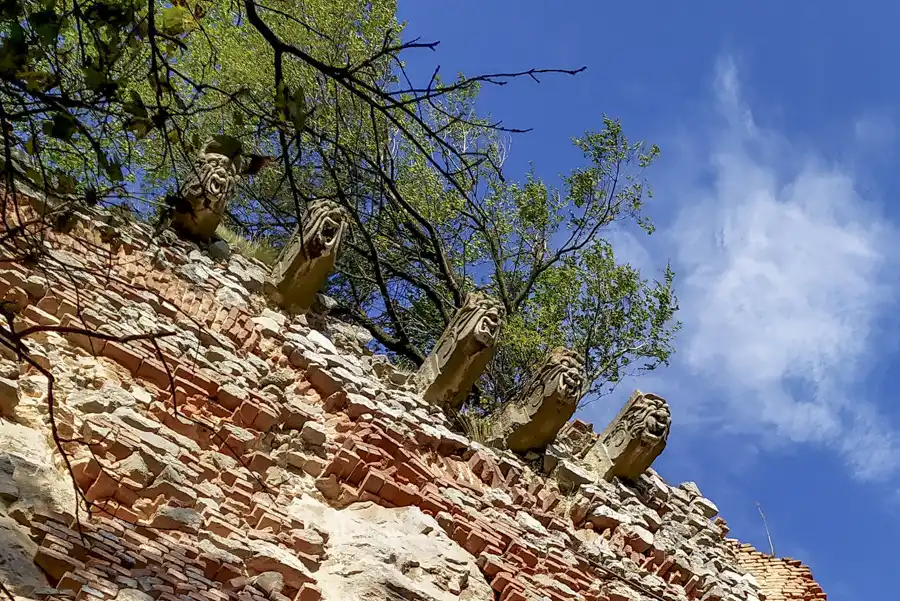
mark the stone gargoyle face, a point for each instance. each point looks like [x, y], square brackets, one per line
[570, 378]
[323, 228]
[488, 326]
[328, 223]
[220, 176]
[329, 232]
[656, 418]
[212, 176]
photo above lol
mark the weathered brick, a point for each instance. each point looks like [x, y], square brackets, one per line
[56, 564]
[265, 418]
[123, 355]
[373, 482]
[308, 592]
[154, 371]
[501, 581]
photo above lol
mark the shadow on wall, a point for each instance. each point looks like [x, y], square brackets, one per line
[17, 570]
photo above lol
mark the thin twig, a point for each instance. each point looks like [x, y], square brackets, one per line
[766, 526]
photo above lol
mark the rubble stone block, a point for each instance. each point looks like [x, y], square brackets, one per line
[603, 517]
[55, 563]
[314, 466]
[9, 397]
[231, 396]
[9, 491]
[571, 476]
[268, 582]
[130, 594]
[177, 518]
[268, 557]
[706, 507]
[325, 384]
[308, 541]
[265, 418]
[638, 538]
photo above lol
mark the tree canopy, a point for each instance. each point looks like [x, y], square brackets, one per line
[112, 99]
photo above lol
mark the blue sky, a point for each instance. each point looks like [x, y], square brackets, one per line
[774, 201]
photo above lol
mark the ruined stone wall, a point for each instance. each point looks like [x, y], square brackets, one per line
[245, 455]
[780, 579]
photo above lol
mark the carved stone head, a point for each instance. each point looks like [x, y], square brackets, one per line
[489, 314]
[462, 352]
[567, 367]
[324, 227]
[213, 176]
[647, 420]
[210, 182]
[634, 439]
[532, 420]
[656, 418]
[307, 260]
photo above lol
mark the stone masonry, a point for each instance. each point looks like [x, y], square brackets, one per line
[245, 456]
[780, 579]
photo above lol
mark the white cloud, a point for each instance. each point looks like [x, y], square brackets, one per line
[874, 131]
[784, 268]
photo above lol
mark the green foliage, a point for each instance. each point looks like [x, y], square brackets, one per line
[64, 70]
[476, 427]
[559, 276]
[113, 99]
[542, 251]
[259, 249]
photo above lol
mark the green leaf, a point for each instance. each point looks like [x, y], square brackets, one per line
[227, 145]
[14, 50]
[34, 175]
[35, 81]
[98, 80]
[62, 127]
[135, 106]
[140, 126]
[177, 20]
[114, 171]
[291, 106]
[10, 9]
[46, 24]
[297, 110]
